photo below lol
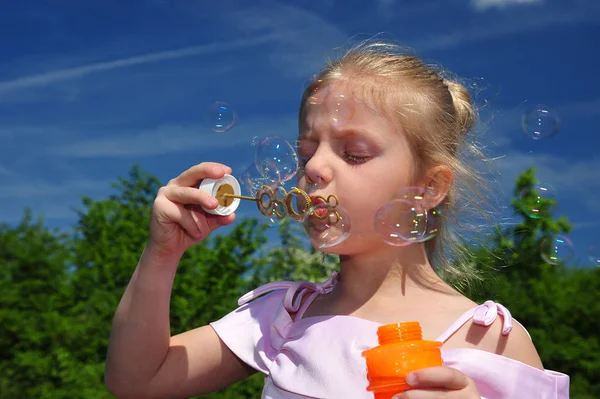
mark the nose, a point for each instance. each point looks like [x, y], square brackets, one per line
[318, 169]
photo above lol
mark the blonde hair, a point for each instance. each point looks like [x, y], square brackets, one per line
[437, 114]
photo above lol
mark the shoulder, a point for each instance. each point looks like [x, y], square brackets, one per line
[516, 345]
[244, 329]
[504, 336]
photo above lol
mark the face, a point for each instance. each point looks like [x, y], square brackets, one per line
[356, 153]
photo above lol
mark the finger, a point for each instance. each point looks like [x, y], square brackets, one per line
[178, 214]
[192, 176]
[208, 223]
[423, 394]
[438, 377]
[215, 221]
[189, 196]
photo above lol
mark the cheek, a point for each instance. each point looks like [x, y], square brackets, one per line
[363, 206]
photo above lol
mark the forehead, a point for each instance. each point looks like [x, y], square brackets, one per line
[345, 107]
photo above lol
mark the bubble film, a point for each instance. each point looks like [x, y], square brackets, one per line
[252, 180]
[305, 182]
[341, 108]
[327, 226]
[221, 117]
[407, 218]
[538, 200]
[276, 159]
[317, 95]
[557, 249]
[540, 122]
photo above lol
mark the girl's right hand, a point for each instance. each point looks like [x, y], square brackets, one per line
[178, 220]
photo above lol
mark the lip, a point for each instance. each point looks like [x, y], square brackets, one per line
[321, 212]
[316, 200]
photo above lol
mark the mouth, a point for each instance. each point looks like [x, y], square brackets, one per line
[318, 202]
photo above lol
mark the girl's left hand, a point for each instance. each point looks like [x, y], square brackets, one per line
[439, 382]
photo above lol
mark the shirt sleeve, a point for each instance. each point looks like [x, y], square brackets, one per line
[245, 331]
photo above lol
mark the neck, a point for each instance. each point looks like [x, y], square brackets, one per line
[390, 273]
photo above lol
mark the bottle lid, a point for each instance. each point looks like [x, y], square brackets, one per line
[400, 332]
[216, 188]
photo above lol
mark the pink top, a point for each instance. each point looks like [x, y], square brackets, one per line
[320, 356]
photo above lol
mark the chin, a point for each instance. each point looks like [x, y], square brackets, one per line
[353, 245]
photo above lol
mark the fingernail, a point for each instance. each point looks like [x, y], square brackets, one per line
[217, 169]
[213, 202]
[411, 379]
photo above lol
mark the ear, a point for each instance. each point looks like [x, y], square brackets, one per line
[438, 180]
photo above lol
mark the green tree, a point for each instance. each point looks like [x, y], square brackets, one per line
[35, 297]
[111, 235]
[542, 291]
[211, 276]
[59, 292]
[289, 259]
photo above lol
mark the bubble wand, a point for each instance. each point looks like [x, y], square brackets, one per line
[228, 194]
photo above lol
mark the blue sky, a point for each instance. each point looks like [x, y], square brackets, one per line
[89, 88]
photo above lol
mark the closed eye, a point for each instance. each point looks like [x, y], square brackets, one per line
[355, 159]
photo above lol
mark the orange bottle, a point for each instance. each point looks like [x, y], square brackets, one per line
[401, 350]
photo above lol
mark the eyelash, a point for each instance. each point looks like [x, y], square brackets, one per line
[352, 159]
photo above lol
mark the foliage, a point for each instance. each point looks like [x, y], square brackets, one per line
[59, 291]
[557, 304]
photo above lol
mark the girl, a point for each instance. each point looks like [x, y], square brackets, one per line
[371, 123]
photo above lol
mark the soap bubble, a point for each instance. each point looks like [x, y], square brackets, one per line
[221, 117]
[327, 225]
[433, 224]
[401, 222]
[538, 199]
[594, 254]
[276, 159]
[407, 218]
[252, 180]
[318, 94]
[341, 108]
[307, 185]
[311, 187]
[556, 249]
[540, 122]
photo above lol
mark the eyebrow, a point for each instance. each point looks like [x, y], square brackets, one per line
[342, 133]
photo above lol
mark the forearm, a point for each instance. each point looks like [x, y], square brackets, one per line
[140, 335]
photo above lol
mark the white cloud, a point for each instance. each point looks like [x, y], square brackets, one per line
[55, 202]
[169, 139]
[48, 78]
[572, 180]
[580, 109]
[543, 18]
[301, 39]
[4, 171]
[587, 225]
[483, 5]
[385, 8]
[304, 37]
[27, 189]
